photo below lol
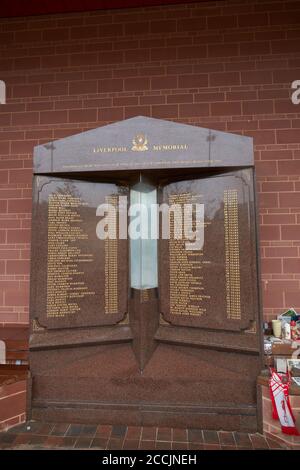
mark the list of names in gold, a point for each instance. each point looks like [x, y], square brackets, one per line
[187, 293]
[232, 254]
[66, 285]
[111, 262]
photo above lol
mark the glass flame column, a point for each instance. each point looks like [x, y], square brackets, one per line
[143, 234]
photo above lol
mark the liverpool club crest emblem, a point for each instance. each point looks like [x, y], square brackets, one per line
[139, 143]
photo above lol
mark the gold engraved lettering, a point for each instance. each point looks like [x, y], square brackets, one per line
[144, 296]
[109, 149]
[186, 278]
[139, 144]
[232, 258]
[65, 269]
[111, 265]
[169, 147]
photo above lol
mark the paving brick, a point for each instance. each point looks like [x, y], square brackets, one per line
[99, 442]
[118, 431]
[115, 444]
[143, 445]
[210, 437]
[149, 433]
[83, 443]
[259, 442]
[134, 432]
[226, 438]
[195, 435]
[104, 431]
[180, 435]
[242, 440]
[133, 444]
[74, 430]
[164, 434]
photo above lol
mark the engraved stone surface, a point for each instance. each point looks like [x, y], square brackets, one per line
[213, 287]
[79, 279]
[163, 144]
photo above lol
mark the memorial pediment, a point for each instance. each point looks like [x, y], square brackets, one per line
[143, 143]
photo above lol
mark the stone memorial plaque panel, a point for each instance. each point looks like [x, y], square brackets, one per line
[80, 279]
[212, 287]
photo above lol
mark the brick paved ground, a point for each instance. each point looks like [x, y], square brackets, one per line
[38, 435]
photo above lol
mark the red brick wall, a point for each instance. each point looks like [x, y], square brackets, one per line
[12, 404]
[227, 65]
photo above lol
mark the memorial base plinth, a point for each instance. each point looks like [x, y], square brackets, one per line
[195, 417]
